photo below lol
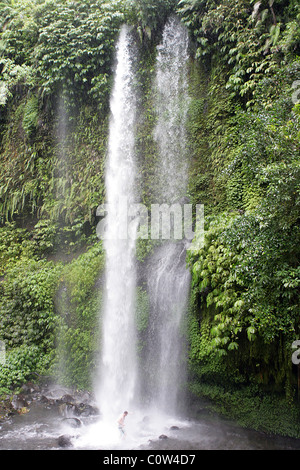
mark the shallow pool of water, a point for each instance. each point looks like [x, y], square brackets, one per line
[40, 429]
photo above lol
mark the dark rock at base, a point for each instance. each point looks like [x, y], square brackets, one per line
[45, 400]
[74, 422]
[163, 436]
[84, 397]
[85, 410]
[64, 441]
[67, 399]
[67, 409]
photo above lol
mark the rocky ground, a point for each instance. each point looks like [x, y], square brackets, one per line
[69, 405]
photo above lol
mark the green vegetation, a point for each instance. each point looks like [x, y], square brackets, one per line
[27, 320]
[56, 62]
[244, 129]
[78, 303]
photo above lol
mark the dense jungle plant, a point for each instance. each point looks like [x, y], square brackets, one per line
[78, 303]
[249, 39]
[28, 319]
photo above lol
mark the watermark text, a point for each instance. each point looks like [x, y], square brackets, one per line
[296, 93]
[124, 220]
[2, 353]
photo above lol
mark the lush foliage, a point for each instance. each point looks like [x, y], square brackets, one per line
[78, 304]
[28, 319]
[65, 44]
[149, 17]
[23, 363]
[250, 39]
[54, 56]
[244, 137]
[27, 314]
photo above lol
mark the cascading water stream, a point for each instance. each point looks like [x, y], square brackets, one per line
[172, 104]
[118, 383]
[168, 278]
[118, 362]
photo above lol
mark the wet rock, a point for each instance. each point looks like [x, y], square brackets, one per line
[84, 397]
[64, 441]
[74, 422]
[86, 410]
[45, 400]
[67, 399]
[18, 402]
[6, 409]
[29, 388]
[56, 392]
[163, 436]
[65, 409]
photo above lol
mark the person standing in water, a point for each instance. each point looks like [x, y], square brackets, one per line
[121, 423]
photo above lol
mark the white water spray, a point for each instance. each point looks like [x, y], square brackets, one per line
[172, 104]
[168, 277]
[118, 366]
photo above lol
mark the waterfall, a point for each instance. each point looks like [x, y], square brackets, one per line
[118, 361]
[168, 279]
[172, 104]
[159, 371]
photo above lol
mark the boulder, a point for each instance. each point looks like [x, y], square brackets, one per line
[67, 410]
[45, 400]
[29, 388]
[163, 436]
[67, 399]
[86, 410]
[74, 422]
[18, 402]
[64, 441]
